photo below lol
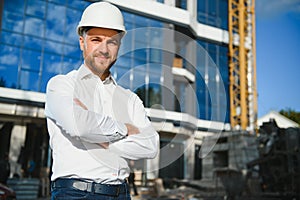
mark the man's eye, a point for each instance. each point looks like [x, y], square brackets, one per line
[113, 42]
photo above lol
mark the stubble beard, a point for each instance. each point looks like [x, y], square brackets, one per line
[97, 67]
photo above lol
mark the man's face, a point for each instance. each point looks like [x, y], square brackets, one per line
[100, 49]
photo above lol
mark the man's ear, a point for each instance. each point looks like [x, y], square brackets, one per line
[81, 43]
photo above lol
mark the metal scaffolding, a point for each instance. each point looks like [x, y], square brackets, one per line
[242, 64]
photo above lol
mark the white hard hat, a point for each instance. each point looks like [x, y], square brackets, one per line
[103, 15]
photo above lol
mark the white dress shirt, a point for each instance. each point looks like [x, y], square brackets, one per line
[76, 133]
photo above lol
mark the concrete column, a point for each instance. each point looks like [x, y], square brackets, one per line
[189, 158]
[167, 85]
[192, 8]
[170, 2]
[17, 140]
[191, 96]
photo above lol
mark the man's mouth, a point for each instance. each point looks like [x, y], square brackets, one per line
[101, 58]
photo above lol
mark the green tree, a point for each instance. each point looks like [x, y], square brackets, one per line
[291, 114]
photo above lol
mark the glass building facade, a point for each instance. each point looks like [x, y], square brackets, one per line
[213, 12]
[38, 40]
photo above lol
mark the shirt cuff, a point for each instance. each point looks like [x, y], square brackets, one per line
[121, 129]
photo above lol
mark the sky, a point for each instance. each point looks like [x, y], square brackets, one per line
[277, 55]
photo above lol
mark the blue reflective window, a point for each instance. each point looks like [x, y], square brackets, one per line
[155, 76]
[62, 2]
[181, 4]
[9, 60]
[123, 77]
[34, 26]
[33, 43]
[201, 11]
[140, 21]
[126, 45]
[141, 37]
[53, 47]
[12, 21]
[129, 25]
[141, 57]
[143, 67]
[51, 67]
[213, 107]
[16, 6]
[124, 61]
[31, 60]
[155, 55]
[29, 80]
[150, 93]
[36, 8]
[155, 69]
[72, 51]
[138, 78]
[55, 21]
[70, 64]
[141, 54]
[45, 32]
[77, 4]
[139, 63]
[223, 16]
[72, 19]
[10, 38]
[155, 96]
[154, 23]
[212, 12]
[211, 73]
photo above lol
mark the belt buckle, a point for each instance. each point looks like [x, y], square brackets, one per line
[80, 185]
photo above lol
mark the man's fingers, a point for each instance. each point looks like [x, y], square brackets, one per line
[78, 102]
[131, 129]
[104, 145]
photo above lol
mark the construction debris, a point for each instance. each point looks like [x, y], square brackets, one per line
[240, 166]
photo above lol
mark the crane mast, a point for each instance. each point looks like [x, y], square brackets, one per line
[242, 64]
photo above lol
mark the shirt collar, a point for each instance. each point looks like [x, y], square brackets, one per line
[109, 79]
[84, 72]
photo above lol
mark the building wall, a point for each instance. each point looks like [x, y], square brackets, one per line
[38, 40]
[227, 151]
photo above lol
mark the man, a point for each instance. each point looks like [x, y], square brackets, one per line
[94, 124]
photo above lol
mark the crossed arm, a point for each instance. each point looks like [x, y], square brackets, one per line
[74, 118]
[131, 129]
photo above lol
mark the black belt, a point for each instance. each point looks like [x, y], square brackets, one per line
[112, 190]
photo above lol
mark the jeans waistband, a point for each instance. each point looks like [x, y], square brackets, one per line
[106, 189]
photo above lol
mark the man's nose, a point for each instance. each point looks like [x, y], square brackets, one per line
[103, 47]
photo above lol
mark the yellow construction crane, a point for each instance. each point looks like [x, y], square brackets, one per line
[242, 64]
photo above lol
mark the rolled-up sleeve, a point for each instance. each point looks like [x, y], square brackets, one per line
[76, 121]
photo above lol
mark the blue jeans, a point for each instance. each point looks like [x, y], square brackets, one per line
[72, 194]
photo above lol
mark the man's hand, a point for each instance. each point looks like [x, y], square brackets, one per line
[79, 103]
[132, 130]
